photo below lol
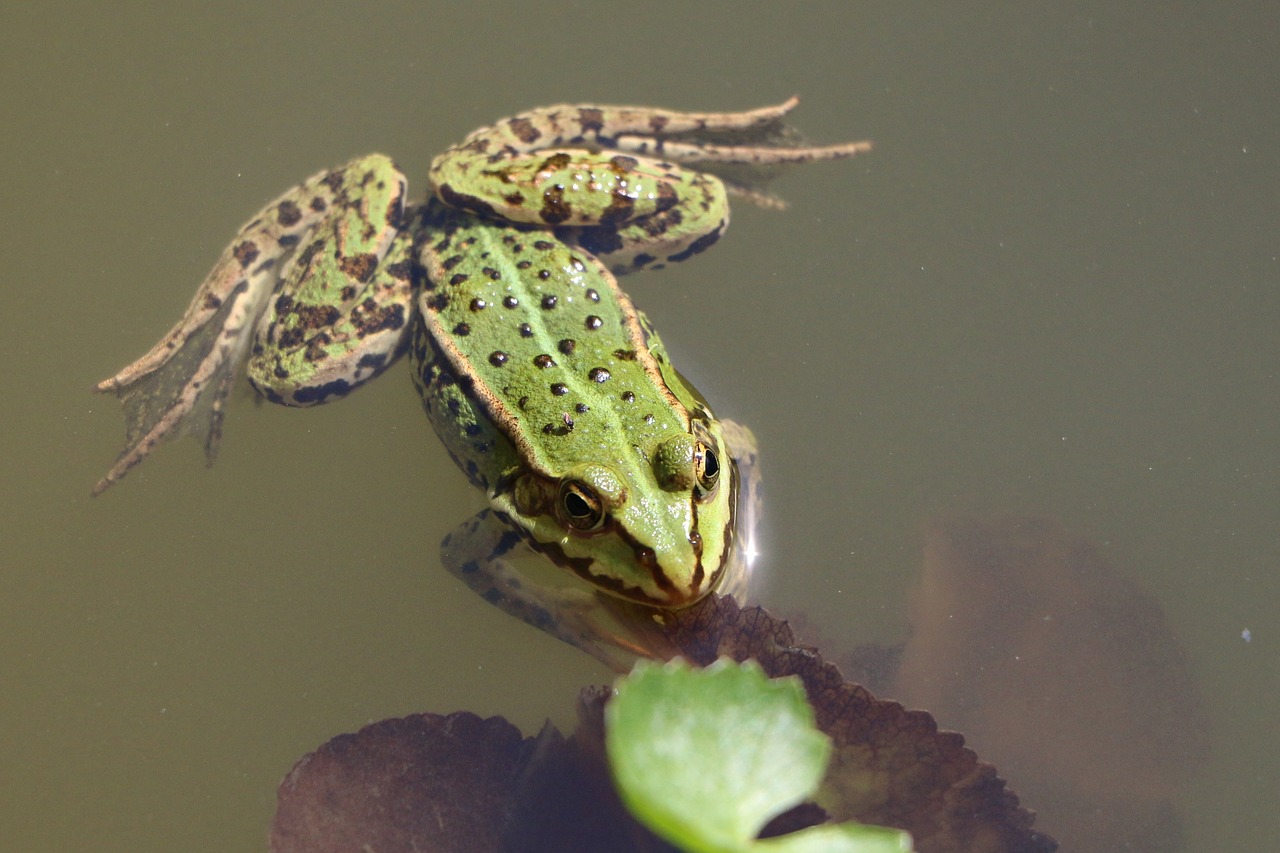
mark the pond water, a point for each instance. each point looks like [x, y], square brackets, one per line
[1050, 291]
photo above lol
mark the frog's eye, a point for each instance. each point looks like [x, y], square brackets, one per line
[579, 506]
[706, 468]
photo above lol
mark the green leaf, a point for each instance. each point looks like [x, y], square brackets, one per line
[837, 838]
[706, 757]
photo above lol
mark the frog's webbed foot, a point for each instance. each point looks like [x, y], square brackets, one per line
[745, 150]
[182, 384]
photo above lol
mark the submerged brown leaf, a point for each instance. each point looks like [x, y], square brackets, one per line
[1062, 672]
[458, 783]
[426, 782]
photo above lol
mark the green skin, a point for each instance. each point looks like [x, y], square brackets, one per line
[547, 386]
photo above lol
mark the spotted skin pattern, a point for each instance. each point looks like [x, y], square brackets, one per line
[547, 386]
[563, 383]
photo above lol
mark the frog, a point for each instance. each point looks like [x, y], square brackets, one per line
[547, 386]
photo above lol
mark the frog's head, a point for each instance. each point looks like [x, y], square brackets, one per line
[656, 528]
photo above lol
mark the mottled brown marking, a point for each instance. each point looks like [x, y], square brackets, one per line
[309, 319]
[246, 253]
[402, 270]
[556, 161]
[591, 120]
[621, 208]
[315, 351]
[524, 130]
[360, 267]
[333, 181]
[369, 318]
[667, 197]
[288, 214]
[554, 208]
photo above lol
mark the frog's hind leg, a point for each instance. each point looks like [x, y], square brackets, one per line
[182, 383]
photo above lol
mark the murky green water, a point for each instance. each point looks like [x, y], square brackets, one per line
[1051, 290]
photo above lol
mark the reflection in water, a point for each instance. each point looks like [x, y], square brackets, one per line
[1062, 674]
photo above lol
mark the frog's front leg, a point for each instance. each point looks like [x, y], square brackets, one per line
[480, 552]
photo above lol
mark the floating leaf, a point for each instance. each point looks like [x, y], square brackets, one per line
[707, 757]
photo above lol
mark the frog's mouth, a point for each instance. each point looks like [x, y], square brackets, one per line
[662, 591]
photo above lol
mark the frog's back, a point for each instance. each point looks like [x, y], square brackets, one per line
[527, 341]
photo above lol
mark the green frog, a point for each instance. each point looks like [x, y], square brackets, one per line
[547, 386]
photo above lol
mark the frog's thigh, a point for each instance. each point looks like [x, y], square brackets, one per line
[308, 352]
